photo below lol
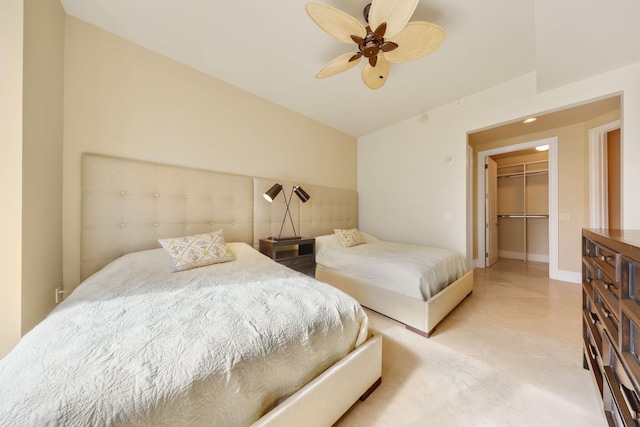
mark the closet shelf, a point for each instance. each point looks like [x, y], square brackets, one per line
[518, 170]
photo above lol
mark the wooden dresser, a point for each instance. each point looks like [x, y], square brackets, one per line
[611, 320]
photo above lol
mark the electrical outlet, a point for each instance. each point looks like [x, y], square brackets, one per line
[59, 295]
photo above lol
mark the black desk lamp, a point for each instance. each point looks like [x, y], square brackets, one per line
[273, 192]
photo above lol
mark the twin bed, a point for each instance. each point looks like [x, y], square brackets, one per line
[416, 285]
[246, 341]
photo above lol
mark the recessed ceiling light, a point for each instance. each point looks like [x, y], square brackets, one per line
[542, 147]
[530, 120]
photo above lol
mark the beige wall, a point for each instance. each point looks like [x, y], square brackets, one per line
[420, 198]
[124, 100]
[42, 158]
[11, 36]
[31, 42]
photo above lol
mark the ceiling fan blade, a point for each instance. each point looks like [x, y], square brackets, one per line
[338, 65]
[376, 77]
[335, 22]
[418, 39]
[396, 13]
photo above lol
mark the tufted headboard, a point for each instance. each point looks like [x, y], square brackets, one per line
[127, 205]
[327, 209]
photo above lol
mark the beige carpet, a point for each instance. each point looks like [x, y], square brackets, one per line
[509, 355]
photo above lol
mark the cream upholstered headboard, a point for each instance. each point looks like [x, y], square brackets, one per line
[327, 209]
[127, 205]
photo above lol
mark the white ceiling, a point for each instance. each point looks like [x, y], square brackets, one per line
[273, 49]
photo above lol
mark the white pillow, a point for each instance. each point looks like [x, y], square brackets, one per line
[349, 238]
[197, 250]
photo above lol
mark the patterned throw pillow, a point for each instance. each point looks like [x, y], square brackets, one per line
[349, 238]
[197, 250]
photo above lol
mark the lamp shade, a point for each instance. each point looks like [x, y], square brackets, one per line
[271, 193]
[302, 195]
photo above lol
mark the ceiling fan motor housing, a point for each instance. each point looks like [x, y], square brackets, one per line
[371, 46]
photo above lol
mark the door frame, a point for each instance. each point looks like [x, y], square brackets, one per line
[598, 193]
[553, 199]
[488, 188]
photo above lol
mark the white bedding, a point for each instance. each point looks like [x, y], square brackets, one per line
[138, 345]
[418, 272]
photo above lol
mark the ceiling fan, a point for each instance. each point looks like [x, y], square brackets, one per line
[393, 38]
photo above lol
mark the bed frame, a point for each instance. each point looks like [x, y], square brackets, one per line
[418, 316]
[127, 205]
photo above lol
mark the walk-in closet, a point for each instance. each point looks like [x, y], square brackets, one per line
[523, 204]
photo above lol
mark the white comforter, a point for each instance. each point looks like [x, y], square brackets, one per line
[418, 272]
[138, 345]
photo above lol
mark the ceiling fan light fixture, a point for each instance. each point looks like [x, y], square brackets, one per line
[394, 39]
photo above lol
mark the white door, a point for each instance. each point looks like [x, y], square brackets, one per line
[491, 211]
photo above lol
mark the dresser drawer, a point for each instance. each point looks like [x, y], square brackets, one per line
[300, 262]
[630, 278]
[606, 262]
[609, 290]
[607, 310]
[592, 331]
[605, 256]
[630, 339]
[620, 395]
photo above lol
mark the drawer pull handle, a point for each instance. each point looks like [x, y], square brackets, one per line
[594, 318]
[607, 313]
[592, 352]
[609, 286]
[605, 258]
[632, 401]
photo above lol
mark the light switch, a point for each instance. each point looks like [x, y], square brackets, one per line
[564, 217]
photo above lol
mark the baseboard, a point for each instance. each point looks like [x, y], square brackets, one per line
[520, 256]
[567, 276]
[563, 275]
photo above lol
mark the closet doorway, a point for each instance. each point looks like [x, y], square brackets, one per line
[521, 197]
[514, 218]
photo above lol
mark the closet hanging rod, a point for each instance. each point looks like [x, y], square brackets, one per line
[521, 174]
[523, 216]
[538, 173]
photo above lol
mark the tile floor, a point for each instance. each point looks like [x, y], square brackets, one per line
[508, 355]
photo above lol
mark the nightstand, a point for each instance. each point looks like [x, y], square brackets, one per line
[297, 254]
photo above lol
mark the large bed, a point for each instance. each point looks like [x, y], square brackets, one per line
[416, 285]
[138, 344]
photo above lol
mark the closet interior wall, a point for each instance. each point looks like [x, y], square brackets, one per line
[523, 206]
